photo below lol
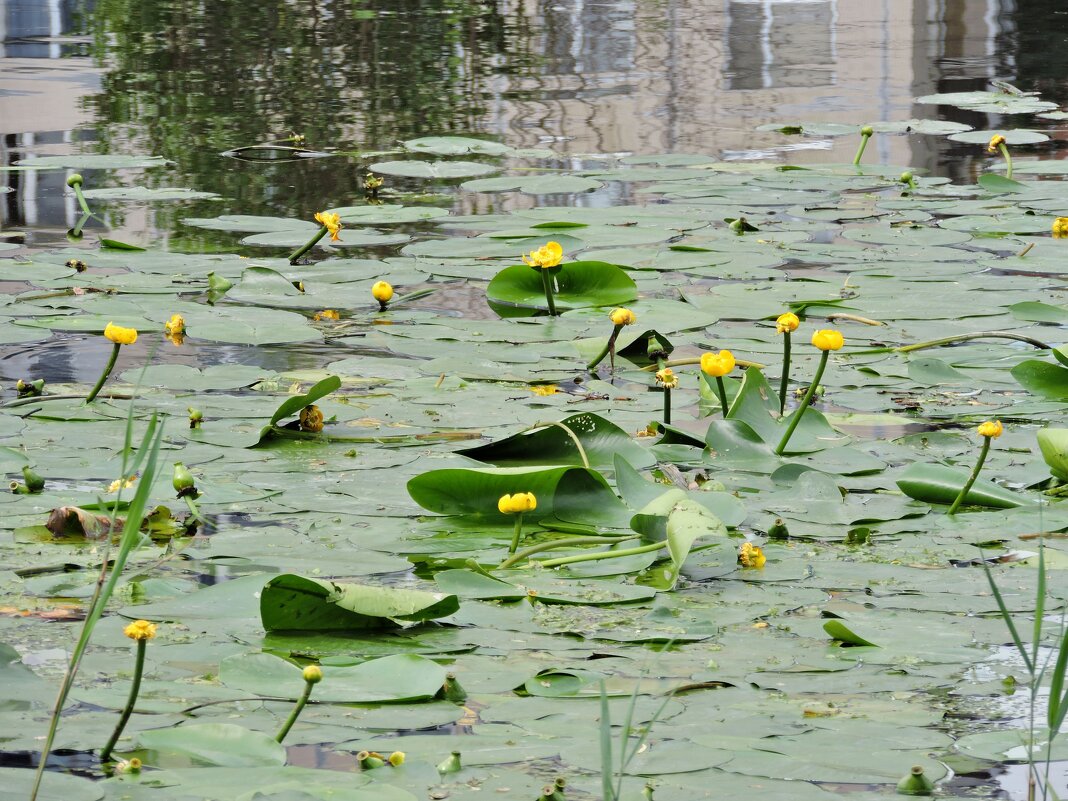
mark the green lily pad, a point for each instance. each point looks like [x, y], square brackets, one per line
[518, 291]
[435, 170]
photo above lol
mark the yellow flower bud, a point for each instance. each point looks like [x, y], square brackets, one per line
[140, 630]
[311, 419]
[396, 759]
[175, 325]
[717, 364]
[867, 130]
[1060, 228]
[120, 335]
[991, 429]
[382, 291]
[622, 316]
[548, 255]
[750, 555]
[313, 674]
[517, 504]
[828, 339]
[995, 142]
[786, 322]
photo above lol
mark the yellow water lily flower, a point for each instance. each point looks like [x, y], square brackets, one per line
[1060, 228]
[313, 674]
[331, 222]
[120, 335]
[622, 316]
[828, 339]
[548, 255]
[544, 389]
[382, 291]
[667, 378]
[140, 630]
[996, 141]
[517, 504]
[396, 759]
[786, 322]
[311, 419]
[750, 555]
[991, 429]
[122, 483]
[175, 325]
[717, 364]
[327, 314]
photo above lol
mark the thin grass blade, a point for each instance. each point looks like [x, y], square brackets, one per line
[608, 793]
[1007, 617]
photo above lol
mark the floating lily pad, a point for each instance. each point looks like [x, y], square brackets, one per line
[432, 169]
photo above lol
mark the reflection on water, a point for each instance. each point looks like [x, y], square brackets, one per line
[189, 80]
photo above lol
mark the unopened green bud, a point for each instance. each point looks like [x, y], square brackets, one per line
[75, 180]
[313, 674]
[451, 764]
[34, 483]
[454, 691]
[371, 760]
[867, 130]
[778, 530]
[906, 177]
[182, 480]
[915, 783]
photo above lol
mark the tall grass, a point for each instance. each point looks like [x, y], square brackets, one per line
[146, 460]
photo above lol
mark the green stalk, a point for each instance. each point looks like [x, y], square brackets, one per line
[722, 391]
[590, 557]
[304, 696]
[864, 137]
[516, 533]
[567, 542]
[139, 667]
[971, 479]
[784, 382]
[296, 254]
[607, 347]
[795, 418]
[104, 375]
[193, 508]
[934, 343]
[76, 231]
[547, 285]
[1004, 152]
[81, 200]
[667, 406]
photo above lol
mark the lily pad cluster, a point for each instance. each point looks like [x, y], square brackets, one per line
[372, 545]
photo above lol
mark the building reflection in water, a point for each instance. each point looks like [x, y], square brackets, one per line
[784, 43]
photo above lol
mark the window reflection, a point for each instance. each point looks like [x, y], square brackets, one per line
[780, 43]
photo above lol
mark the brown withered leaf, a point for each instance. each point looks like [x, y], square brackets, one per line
[73, 521]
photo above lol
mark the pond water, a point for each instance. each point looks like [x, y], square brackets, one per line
[633, 132]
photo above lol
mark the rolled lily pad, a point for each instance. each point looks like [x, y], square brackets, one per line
[291, 603]
[517, 291]
[432, 169]
[223, 744]
[1053, 442]
[936, 483]
[601, 442]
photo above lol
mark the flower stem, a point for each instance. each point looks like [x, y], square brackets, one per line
[304, 696]
[860, 150]
[971, 479]
[590, 557]
[81, 200]
[296, 254]
[104, 375]
[564, 543]
[547, 285]
[194, 510]
[795, 418]
[1008, 159]
[139, 666]
[722, 391]
[934, 343]
[76, 231]
[516, 533]
[667, 406]
[785, 380]
[608, 346]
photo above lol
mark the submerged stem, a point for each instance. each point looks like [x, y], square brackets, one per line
[784, 382]
[795, 418]
[567, 542]
[104, 375]
[139, 666]
[971, 479]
